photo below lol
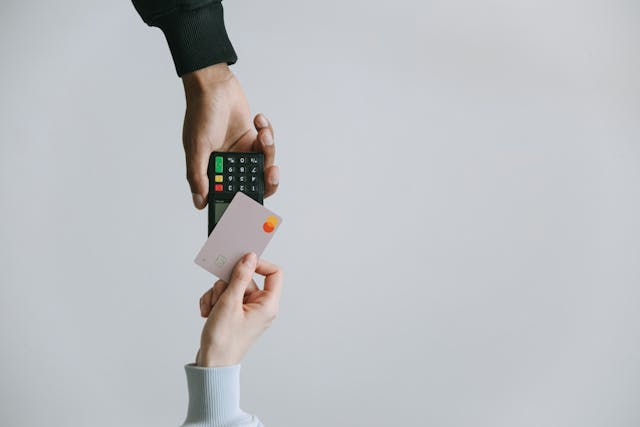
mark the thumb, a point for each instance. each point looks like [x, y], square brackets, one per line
[241, 276]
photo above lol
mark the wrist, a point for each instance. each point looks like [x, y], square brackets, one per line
[209, 358]
[202, 80]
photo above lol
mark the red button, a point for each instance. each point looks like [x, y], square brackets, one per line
[218, 187]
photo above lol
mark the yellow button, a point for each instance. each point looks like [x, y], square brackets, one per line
[218, 178]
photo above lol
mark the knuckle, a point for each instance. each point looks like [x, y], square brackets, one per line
[272, 313]
[193, 177]
[277, 272]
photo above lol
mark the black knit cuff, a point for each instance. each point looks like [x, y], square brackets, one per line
[197, 38]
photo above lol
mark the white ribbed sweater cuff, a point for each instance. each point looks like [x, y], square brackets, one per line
[214, 394]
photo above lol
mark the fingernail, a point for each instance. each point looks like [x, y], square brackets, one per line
[250, 259]
[262, 121]
[198, 200]
[274, 179]
[267, 138]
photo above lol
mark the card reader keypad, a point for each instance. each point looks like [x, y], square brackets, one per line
[235, 172]
[230, 172]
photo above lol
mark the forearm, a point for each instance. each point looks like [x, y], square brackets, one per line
[242, 312]
[214, 398]
[194, 30]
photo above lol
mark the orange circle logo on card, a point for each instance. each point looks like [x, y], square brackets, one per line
[270, 224]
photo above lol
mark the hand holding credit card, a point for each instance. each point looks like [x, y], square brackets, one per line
[245, 226]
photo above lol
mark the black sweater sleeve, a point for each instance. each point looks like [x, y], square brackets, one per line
[194, 30]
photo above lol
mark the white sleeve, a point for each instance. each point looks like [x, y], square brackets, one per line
[214, 398]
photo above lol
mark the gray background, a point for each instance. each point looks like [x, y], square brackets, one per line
[460, 188]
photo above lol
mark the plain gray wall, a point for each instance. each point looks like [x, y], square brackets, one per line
[460, 182]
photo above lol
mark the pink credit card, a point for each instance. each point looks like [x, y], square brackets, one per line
[245, 226]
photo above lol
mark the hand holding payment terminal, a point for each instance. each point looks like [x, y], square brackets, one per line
[230, 172]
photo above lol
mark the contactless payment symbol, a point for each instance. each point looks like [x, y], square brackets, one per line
[270, 224]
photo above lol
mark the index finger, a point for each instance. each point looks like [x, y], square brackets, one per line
[273, 276]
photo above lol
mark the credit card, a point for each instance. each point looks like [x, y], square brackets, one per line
[245, 226]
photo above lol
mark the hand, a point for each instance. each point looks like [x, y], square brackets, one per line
[238, 312]
[217, 118]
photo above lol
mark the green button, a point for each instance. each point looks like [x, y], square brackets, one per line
[218, 164]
